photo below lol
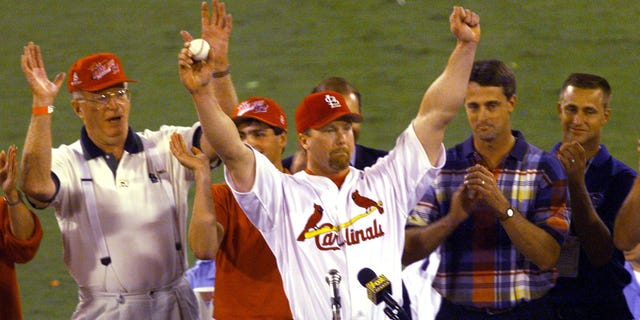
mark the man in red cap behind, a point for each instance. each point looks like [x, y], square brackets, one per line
[328, 223]
[248, 283]
[120, 197]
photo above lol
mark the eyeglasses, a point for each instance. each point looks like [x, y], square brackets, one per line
[102, 100]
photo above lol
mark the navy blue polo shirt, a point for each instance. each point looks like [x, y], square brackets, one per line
[608, 181]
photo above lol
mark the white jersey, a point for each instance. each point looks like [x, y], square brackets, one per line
[312, 226]
[134, 212]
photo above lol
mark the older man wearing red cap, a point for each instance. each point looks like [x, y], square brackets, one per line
[119, 196]
[330, 222]
[248, 283]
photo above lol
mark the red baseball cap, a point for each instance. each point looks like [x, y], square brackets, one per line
[96, 72]
[320, 108]
[261, 109]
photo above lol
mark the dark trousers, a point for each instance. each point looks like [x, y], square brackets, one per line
[614, 307]
[532, 310]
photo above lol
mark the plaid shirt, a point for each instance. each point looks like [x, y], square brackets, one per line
[480, 266]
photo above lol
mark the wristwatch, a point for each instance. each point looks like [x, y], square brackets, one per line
[507, 214]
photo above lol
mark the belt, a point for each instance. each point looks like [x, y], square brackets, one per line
[90, 292]
[489, 311]
[478, 310]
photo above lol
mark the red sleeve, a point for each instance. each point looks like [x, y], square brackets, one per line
[19, 251]
[223, 199]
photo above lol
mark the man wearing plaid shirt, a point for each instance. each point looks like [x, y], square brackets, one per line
[497, 209]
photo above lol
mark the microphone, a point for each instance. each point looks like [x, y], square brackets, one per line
[333, 279]
[378, 290]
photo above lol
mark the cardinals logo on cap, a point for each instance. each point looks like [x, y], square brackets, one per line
[320, 108]
[96, 72]
[261, 109]
[332, 101]
[102, 69]
[254, 106]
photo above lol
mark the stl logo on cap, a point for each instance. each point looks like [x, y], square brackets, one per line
[332, 101]
[96, 72]
[320, 108]
[261, 109]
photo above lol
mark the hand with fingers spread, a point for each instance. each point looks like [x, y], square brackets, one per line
[43, 90]
[215, 29]
[152, 180]
[36, 156]
[195, 161]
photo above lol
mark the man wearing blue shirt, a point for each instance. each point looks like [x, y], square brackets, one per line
[591, 270]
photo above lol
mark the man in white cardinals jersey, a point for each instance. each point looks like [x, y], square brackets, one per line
[331, 215]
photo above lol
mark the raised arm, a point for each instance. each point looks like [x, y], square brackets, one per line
[218, 129]
[626, 230]
[36, 154]
[205, 233]
[216, 30]
[446, 94]
[21, 221]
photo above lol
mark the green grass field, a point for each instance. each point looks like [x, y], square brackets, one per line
[280, 49]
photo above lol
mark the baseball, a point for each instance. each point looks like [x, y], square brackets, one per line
[199, 49]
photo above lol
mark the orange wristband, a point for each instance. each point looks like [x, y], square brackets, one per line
[36, 111]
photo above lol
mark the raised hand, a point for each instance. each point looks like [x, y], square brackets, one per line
[216, 30]
[465, 24]
[9, 169]
[43, 90]
[196, 161]
[194, 75]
